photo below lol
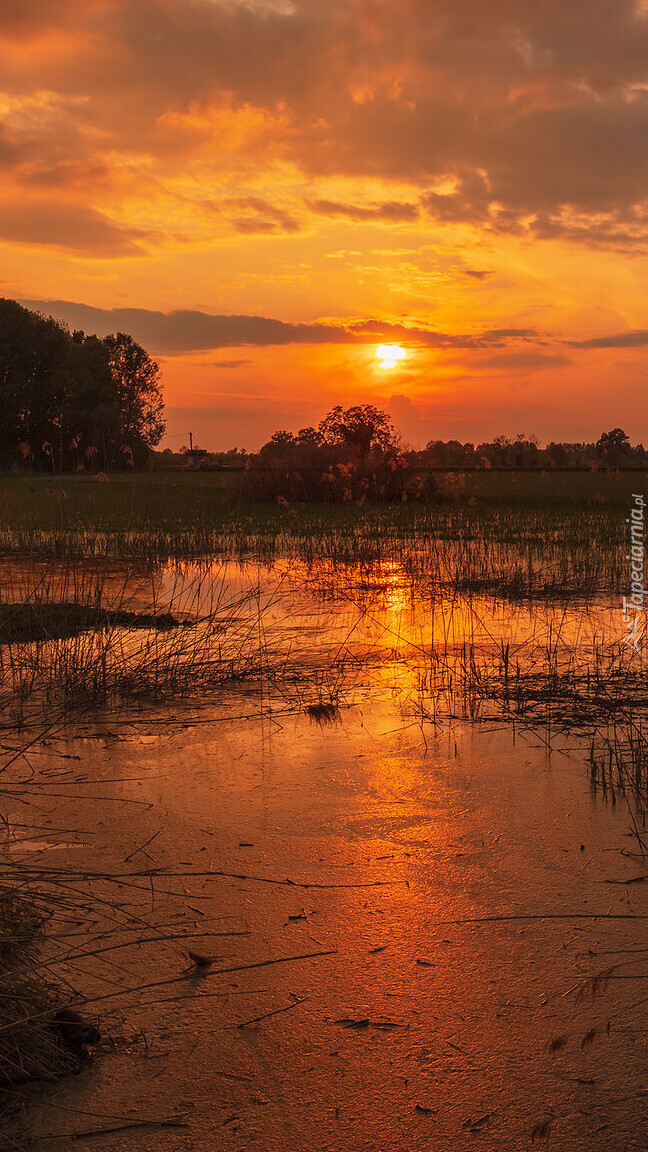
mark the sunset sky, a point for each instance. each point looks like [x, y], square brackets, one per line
[264, 191]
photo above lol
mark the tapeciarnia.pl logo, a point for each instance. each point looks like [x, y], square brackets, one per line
[634, 612]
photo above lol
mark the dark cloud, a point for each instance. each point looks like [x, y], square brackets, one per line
[537, 112]
[9, 152]
[390, 211]
[230, 363]
[525, 361]
[65, 174]
[71, 226]
[252, 225]
[506, 333]
[266, 217]
[29, 21]
[192, 331]
[491, 338]
[635, 339]
[478, 273]
[188, 331]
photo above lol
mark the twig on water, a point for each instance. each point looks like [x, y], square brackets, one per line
[88, 1132]
[549, 916]
[631, 880]
[142, 846]
[277, 1011]
[72, 874]
[207, 976]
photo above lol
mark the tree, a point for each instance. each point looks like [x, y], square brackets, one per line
[612, 444]
[32, 381]
[279, 444]
[138, 396]
[557, 454]
[361, 428]
[90, 417]
[309, 438]
[67, 400]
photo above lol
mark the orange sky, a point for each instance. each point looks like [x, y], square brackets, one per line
[263, 191]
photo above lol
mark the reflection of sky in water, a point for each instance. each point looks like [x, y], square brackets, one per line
[402, 846]
[387, 610]
[375, 626]
[451, 823]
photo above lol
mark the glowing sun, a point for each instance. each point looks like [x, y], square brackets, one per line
[388, 355]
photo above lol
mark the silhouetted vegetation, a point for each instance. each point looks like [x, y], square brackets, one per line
[354, 455]
[611, 450]
[72, 402]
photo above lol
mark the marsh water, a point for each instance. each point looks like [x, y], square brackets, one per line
[382, 831]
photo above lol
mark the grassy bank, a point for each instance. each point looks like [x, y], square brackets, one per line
[193, 514]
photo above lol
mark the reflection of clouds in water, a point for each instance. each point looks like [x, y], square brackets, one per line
[378, 627]
[385, 602]
[337, 626]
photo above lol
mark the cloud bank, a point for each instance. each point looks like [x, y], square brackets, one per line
[519, 116]
[184, 331]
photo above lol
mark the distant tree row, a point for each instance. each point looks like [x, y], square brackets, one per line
[74, 402]
[356, 454]
[612, 449]
[367, 428]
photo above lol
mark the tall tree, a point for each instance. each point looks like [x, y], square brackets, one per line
[32, 381]
[74, 400]
[613, 444]
[138, 393]
[91, 414]
[359, 428]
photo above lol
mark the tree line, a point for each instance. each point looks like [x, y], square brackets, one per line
[366, 427]
[612, 450]
[76, 402]
[69, 401]
[356, 454]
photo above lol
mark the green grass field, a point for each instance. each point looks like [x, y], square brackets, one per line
[189, 513]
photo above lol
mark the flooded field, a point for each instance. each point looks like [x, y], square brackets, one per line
[398, 814]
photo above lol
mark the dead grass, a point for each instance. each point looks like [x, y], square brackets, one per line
[29, 1047]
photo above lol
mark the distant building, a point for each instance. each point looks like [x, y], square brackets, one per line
[196, 458]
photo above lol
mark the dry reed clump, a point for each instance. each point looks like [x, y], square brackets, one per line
[322, 714]
[72, 639]
[329, 475]
[29, 1046]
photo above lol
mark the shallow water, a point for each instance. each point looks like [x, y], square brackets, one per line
[402, 841]
[290, 619]
[456, 881]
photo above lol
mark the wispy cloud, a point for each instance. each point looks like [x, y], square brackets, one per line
[391, 211]
[637, 338]
[230, 363]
